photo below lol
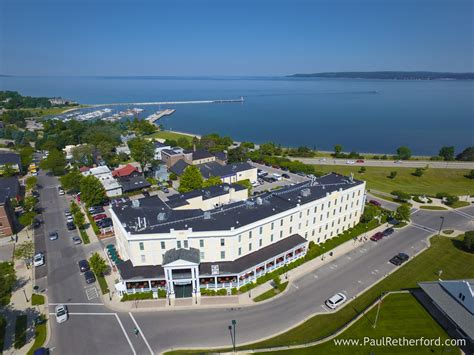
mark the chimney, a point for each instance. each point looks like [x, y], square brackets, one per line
[194, 147]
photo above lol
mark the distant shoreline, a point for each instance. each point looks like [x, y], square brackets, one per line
[388, 75]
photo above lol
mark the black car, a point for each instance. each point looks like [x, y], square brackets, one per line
[89, 276]
[84, 265]
[70, 226]
[35, 193]
[36, 223]
[399, 259]
[388, 231]
[285, 176]
[104, 223]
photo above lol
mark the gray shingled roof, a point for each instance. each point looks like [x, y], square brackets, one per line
[191, 255]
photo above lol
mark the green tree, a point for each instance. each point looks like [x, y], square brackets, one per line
[29, 203]
[468, 241]
[470, 175]
[247, 145]
[392, 175]
[55, 162]
[8, 170]
[403, 213]
[25, 250]
[447, 153]
[72, 180]
[79, 219]
[401, 196]
[26, 218]
[338, 150]
[30, 182]
[466, 155]
[236, 155]
[84, 154]
[92, 191]
[418, 172]
[7, 280]
[74, 208]
[191, 179]
[142, 151]
[98, 264]
[212, 181]
[450, 199]
[370, 212]
[362, 170]
[184, 143]
[404, 153]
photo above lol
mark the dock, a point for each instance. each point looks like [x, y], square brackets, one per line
[157, 115]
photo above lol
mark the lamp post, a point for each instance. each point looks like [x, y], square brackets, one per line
[441, 225]
[232, 333]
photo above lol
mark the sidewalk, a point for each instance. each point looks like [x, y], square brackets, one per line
[243, 300]
[20, 303]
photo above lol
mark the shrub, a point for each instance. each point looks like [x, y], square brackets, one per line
[468, 241]
[137, 296]
[451, 199]
[392, 175]
[418, 172]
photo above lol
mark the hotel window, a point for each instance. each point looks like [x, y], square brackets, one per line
[312, 233]
[337, 231]
[318, 239]
[315, 209]
[307, 223]
[273, 224]
[327, 226]
[340, 209]
[321, 218]
[271, 237]
[332, 224]
[178, 244]
[346, 208]
[261, 230]
[201, 243]
[334, 212]
[335, 202]
[299, 225]
[291, 218]
[353, 194]
[222, 242]
[307, 212]
[240, 251]
[186, 244]
[306, 235]
[260, 243]
[327, 216]
[240, 238]
[331, 234]
[142, 247]
[163, 246]
[201, 255]
[291, 230]
[322, 207]
[281, 234]
[143, 258]
[358, 193]
[250, 246]
[314, 220]
[222, 254]
[301, 214]
[281, 222]
[329, 204]
[250, 235]
[320, 229]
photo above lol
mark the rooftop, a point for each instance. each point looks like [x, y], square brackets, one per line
[7, 157]
[212, 168]
[156, 216]
[124, 171]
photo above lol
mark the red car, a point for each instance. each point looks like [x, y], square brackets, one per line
[99, 217]
[359, 161]
[375, 203]
[377, 236]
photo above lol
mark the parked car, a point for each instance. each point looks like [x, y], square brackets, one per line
[255, 184]
[35, 193]
[53, 235]
[96, 209]
[393, 221]
[336, 300]
[38, 259]
[285, 176]
[89, 277]
[61, 313]
[388, 231]
[69, 219]
[70, 226]
[104, 221]
[76, 240]
[146, 193]
[377, 236]
[36, 223]
[399, 259]
[375, 203]
[100, 216]
[165, 189]
[84, 265]
[60, 190]
[41, 351]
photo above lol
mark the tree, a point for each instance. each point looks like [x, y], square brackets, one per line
[447, 153]
[142, 151]
[450, 199]
[466, 155]
[470, 175]
[190, 180]
[29, 203]
[247, 145]
[404, 153]
[338, 150]
[84, 154]
[8, 170]
[468, 241]
[392, 175]
[55, 162]
[98, 264]
[72, 180]
[92, 191]
[79, 219]
[418, 172]
[401, 196]
[369, 214]
[212, 181]
[184, 143]
[30, 182]
[362, 170]
[7, 280]
[403, 213]
[25, 250]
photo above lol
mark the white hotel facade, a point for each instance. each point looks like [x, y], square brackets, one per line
[218, 238]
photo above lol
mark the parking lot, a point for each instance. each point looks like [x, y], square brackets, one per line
[287, 178]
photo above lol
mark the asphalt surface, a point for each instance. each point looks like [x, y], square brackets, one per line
[388, 163]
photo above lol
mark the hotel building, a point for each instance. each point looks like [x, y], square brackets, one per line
[219, 238]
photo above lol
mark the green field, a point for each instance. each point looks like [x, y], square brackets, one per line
[444, 254]
[170, 135]
[271, 293]
[451, 181]
[41, 112]
[401, 315]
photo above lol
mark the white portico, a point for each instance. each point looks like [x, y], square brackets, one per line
[181, 267]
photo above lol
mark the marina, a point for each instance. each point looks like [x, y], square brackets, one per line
[159, 114]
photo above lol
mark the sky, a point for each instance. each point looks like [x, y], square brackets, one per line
[227, 37]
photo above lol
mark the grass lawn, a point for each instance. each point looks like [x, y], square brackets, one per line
[37, 299]
[271, 293]
[20, 331]
[444, 253]
[103, 284]
[84, 236]
[451, 181]
[459, 204]
[41, 112]
[40, 337]
[170, 135]
[400, 316]
[434, 208]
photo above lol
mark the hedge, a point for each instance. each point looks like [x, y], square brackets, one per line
[93, 224]
[36, 299]
[211, 292]
[20, 331]
[142, 295]
[84, 236]
[103, 284]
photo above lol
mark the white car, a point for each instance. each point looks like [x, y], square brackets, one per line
[60, 190]
[255, 184]
[336, 300]
[69, 219]
[38, 259]
[350, 162]
[61, 313]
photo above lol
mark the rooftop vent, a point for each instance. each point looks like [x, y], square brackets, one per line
[351, 177]
[207, 193]
[207, 215]
[226, 187]
[161, 217]
[259, 201]
[305, 192]
[135, 203]
[249, 203]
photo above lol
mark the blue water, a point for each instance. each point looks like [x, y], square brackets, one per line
[362, 115]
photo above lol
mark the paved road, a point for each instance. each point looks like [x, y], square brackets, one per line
[388, 205]
[389, 163]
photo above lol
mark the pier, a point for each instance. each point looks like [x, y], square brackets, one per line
[157, 115]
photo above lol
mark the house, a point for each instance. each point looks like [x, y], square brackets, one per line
[123, 149]
[228, 173]
[126, 171]
[13, 159]
[199, 156]
[159, 147]
[111, 186]
[171, 156]
[221, 157]
[126, 137]
[133, 183]
[218, 238]
[7, 215]
[455, 300]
